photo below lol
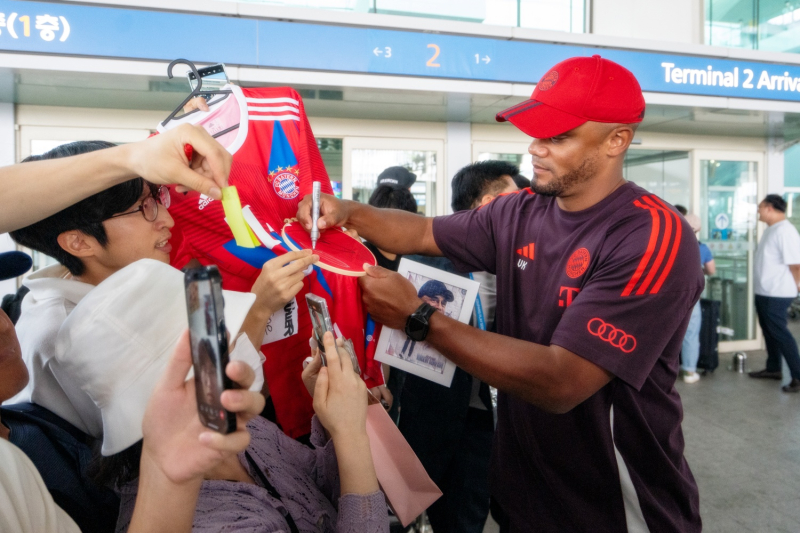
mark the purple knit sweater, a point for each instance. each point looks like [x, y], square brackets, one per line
[306, 479]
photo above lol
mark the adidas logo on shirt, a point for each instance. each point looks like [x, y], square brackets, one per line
[204, 201]
[526, 251]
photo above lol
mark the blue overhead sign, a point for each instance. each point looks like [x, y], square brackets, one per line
[80, 30]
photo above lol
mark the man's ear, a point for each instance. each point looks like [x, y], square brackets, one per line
[486, 199]
[78, 244]
[619, 140]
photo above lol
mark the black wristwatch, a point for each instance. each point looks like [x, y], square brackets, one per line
[417, 324]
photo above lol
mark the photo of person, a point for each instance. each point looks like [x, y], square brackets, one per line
[449, 294]
[205, 347]
[444, 298]
[207, 359]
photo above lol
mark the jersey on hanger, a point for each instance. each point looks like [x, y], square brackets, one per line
[275, 162]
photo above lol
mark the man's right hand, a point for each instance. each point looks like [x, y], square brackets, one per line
[332, 212]
[161, 159]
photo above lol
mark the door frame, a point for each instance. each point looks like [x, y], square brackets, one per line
[758, 158]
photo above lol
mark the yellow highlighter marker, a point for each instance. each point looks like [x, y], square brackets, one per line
[233, 216]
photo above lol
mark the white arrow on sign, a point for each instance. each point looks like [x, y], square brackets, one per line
[486, 59]
[377, 51]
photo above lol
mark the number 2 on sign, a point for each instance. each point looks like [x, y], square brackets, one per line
[436, 52]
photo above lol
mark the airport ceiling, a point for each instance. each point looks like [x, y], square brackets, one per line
[140, 92]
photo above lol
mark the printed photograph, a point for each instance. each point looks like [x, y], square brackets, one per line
[443, 297]
[448, 293]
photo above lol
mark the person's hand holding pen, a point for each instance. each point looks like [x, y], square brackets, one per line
[332, 212]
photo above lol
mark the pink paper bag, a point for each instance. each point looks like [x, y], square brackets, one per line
[403, 479]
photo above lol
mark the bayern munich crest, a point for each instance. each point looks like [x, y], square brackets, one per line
[286, 185]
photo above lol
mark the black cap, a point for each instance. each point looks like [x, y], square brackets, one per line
[13, 264]
[397, 177]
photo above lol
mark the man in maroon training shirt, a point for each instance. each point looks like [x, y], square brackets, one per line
[596, 280]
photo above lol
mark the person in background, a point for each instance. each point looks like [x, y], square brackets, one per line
[521, 181]
[388, 196]
[682, 210]
[397, 177]
[451, 428]
[391, 195]
[776, 274]
[690, 350]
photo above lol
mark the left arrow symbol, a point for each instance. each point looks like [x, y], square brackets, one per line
[377, 51]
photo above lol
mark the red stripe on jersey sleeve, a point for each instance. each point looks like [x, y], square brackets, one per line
[662, 250]
[675, 245]
[651, 246]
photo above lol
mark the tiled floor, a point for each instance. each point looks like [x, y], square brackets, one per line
[743, 445]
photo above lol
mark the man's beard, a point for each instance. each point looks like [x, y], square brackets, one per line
[564, 184]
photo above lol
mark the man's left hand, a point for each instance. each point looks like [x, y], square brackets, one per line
[390, 298]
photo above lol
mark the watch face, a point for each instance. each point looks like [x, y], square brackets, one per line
[416, 328]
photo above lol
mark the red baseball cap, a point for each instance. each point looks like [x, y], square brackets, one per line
[575, 91]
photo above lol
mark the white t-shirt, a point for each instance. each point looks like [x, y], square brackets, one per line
[779, 248]
[25, 503]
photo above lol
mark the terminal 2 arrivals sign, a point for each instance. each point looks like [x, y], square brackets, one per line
[94, 31]
[749, 79]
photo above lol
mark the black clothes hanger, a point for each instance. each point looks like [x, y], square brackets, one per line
[198, 91]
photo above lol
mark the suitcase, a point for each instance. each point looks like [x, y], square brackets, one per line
[709, 337]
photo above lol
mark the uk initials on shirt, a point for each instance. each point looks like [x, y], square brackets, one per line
[526, 252]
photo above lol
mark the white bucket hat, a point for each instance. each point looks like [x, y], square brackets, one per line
[118, 339]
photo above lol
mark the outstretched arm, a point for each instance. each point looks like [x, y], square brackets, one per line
[550, 377]
[340, 402]
[35, 190]
[392, 230]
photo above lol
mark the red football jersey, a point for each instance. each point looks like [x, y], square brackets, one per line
[275, 162]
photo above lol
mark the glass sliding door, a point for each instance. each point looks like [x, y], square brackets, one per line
[365, 159]
[728, 210]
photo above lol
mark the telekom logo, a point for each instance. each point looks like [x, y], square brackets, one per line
[566, 295]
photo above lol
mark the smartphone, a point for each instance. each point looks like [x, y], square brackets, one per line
[321, 323]
[214, 78]
[209, 341]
